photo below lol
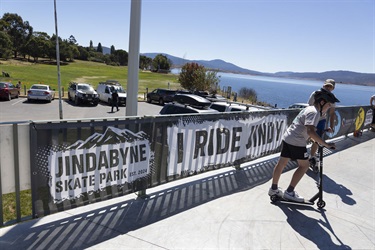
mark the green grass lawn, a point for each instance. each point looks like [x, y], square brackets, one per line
[80, 71]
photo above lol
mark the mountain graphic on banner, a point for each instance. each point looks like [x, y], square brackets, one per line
[112, 135]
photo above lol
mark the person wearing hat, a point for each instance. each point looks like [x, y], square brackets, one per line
[328, 86]
[114, 100]
[294, 142]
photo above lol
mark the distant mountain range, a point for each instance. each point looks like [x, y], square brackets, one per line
[345, 77]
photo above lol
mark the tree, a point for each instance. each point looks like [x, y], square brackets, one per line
[145, 62]
[72, 40]
[67, 50]
[193, 77]
[39, 45]
[248, 94]
[112, 50]
[18, 30]
[99, 48]
[212, 80]
[91, 45]
[74, 52]
[5, 45]
[161, 63]
[83, 53]
[122, 57]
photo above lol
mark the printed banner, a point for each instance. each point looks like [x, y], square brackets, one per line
[350, 119]
[113, 158]
[83, 162]
[197, 145]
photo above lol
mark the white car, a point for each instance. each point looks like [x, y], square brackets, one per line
[105, 90]
[232, 107]
[40, 92]
[298, 105]
[80, 93]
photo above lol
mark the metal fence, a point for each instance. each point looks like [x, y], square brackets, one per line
[65, 164]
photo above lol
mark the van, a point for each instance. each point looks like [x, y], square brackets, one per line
[106, 88]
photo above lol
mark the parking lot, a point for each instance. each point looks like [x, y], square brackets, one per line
[20, 109]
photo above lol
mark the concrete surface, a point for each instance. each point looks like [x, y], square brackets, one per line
[224, 209]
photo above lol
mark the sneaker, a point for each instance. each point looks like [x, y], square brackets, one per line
[293, 196]
[278, 192]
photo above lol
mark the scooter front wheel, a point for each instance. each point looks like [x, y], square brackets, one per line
[321, 204]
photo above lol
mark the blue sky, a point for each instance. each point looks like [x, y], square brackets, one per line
[262, 35]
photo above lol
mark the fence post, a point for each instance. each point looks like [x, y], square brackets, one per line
[141, 193]
[17, 171]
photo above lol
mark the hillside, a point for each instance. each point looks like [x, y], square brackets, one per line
[345, 77]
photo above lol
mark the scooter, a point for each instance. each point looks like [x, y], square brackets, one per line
[318, 196]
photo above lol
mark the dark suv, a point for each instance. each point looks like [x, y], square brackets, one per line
[161, 96]
[82, 93]
[187, 104]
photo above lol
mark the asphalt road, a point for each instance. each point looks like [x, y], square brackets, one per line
[21, 110]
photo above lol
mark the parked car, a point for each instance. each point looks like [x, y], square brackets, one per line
[8, 91]
[187, 104]
[161, 96]
[204, 94]
[216, 98]
[40, 92]
[105, 90]
[82, 93]
[298, 105]
[191, 99]
[231, 107]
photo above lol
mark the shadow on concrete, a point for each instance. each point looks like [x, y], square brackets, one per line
[93, 227]
[312, 229]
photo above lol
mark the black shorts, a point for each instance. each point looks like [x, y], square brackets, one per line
[293, 152]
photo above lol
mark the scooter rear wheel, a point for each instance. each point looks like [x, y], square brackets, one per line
[274, 198]
[321, 204]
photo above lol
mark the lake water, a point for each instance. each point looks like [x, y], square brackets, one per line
[284, 91]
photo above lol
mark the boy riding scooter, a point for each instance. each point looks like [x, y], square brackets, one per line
[295, 141]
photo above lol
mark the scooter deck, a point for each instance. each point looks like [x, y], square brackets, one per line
[275, 199]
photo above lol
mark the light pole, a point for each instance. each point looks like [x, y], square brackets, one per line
[58, 64]
[133, 66]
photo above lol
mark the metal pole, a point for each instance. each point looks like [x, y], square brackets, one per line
[133, 65]
[58, 64]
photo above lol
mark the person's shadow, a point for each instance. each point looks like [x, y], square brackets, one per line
[315, 230]
[332, 187]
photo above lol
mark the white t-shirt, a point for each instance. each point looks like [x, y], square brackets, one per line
[296, 133]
